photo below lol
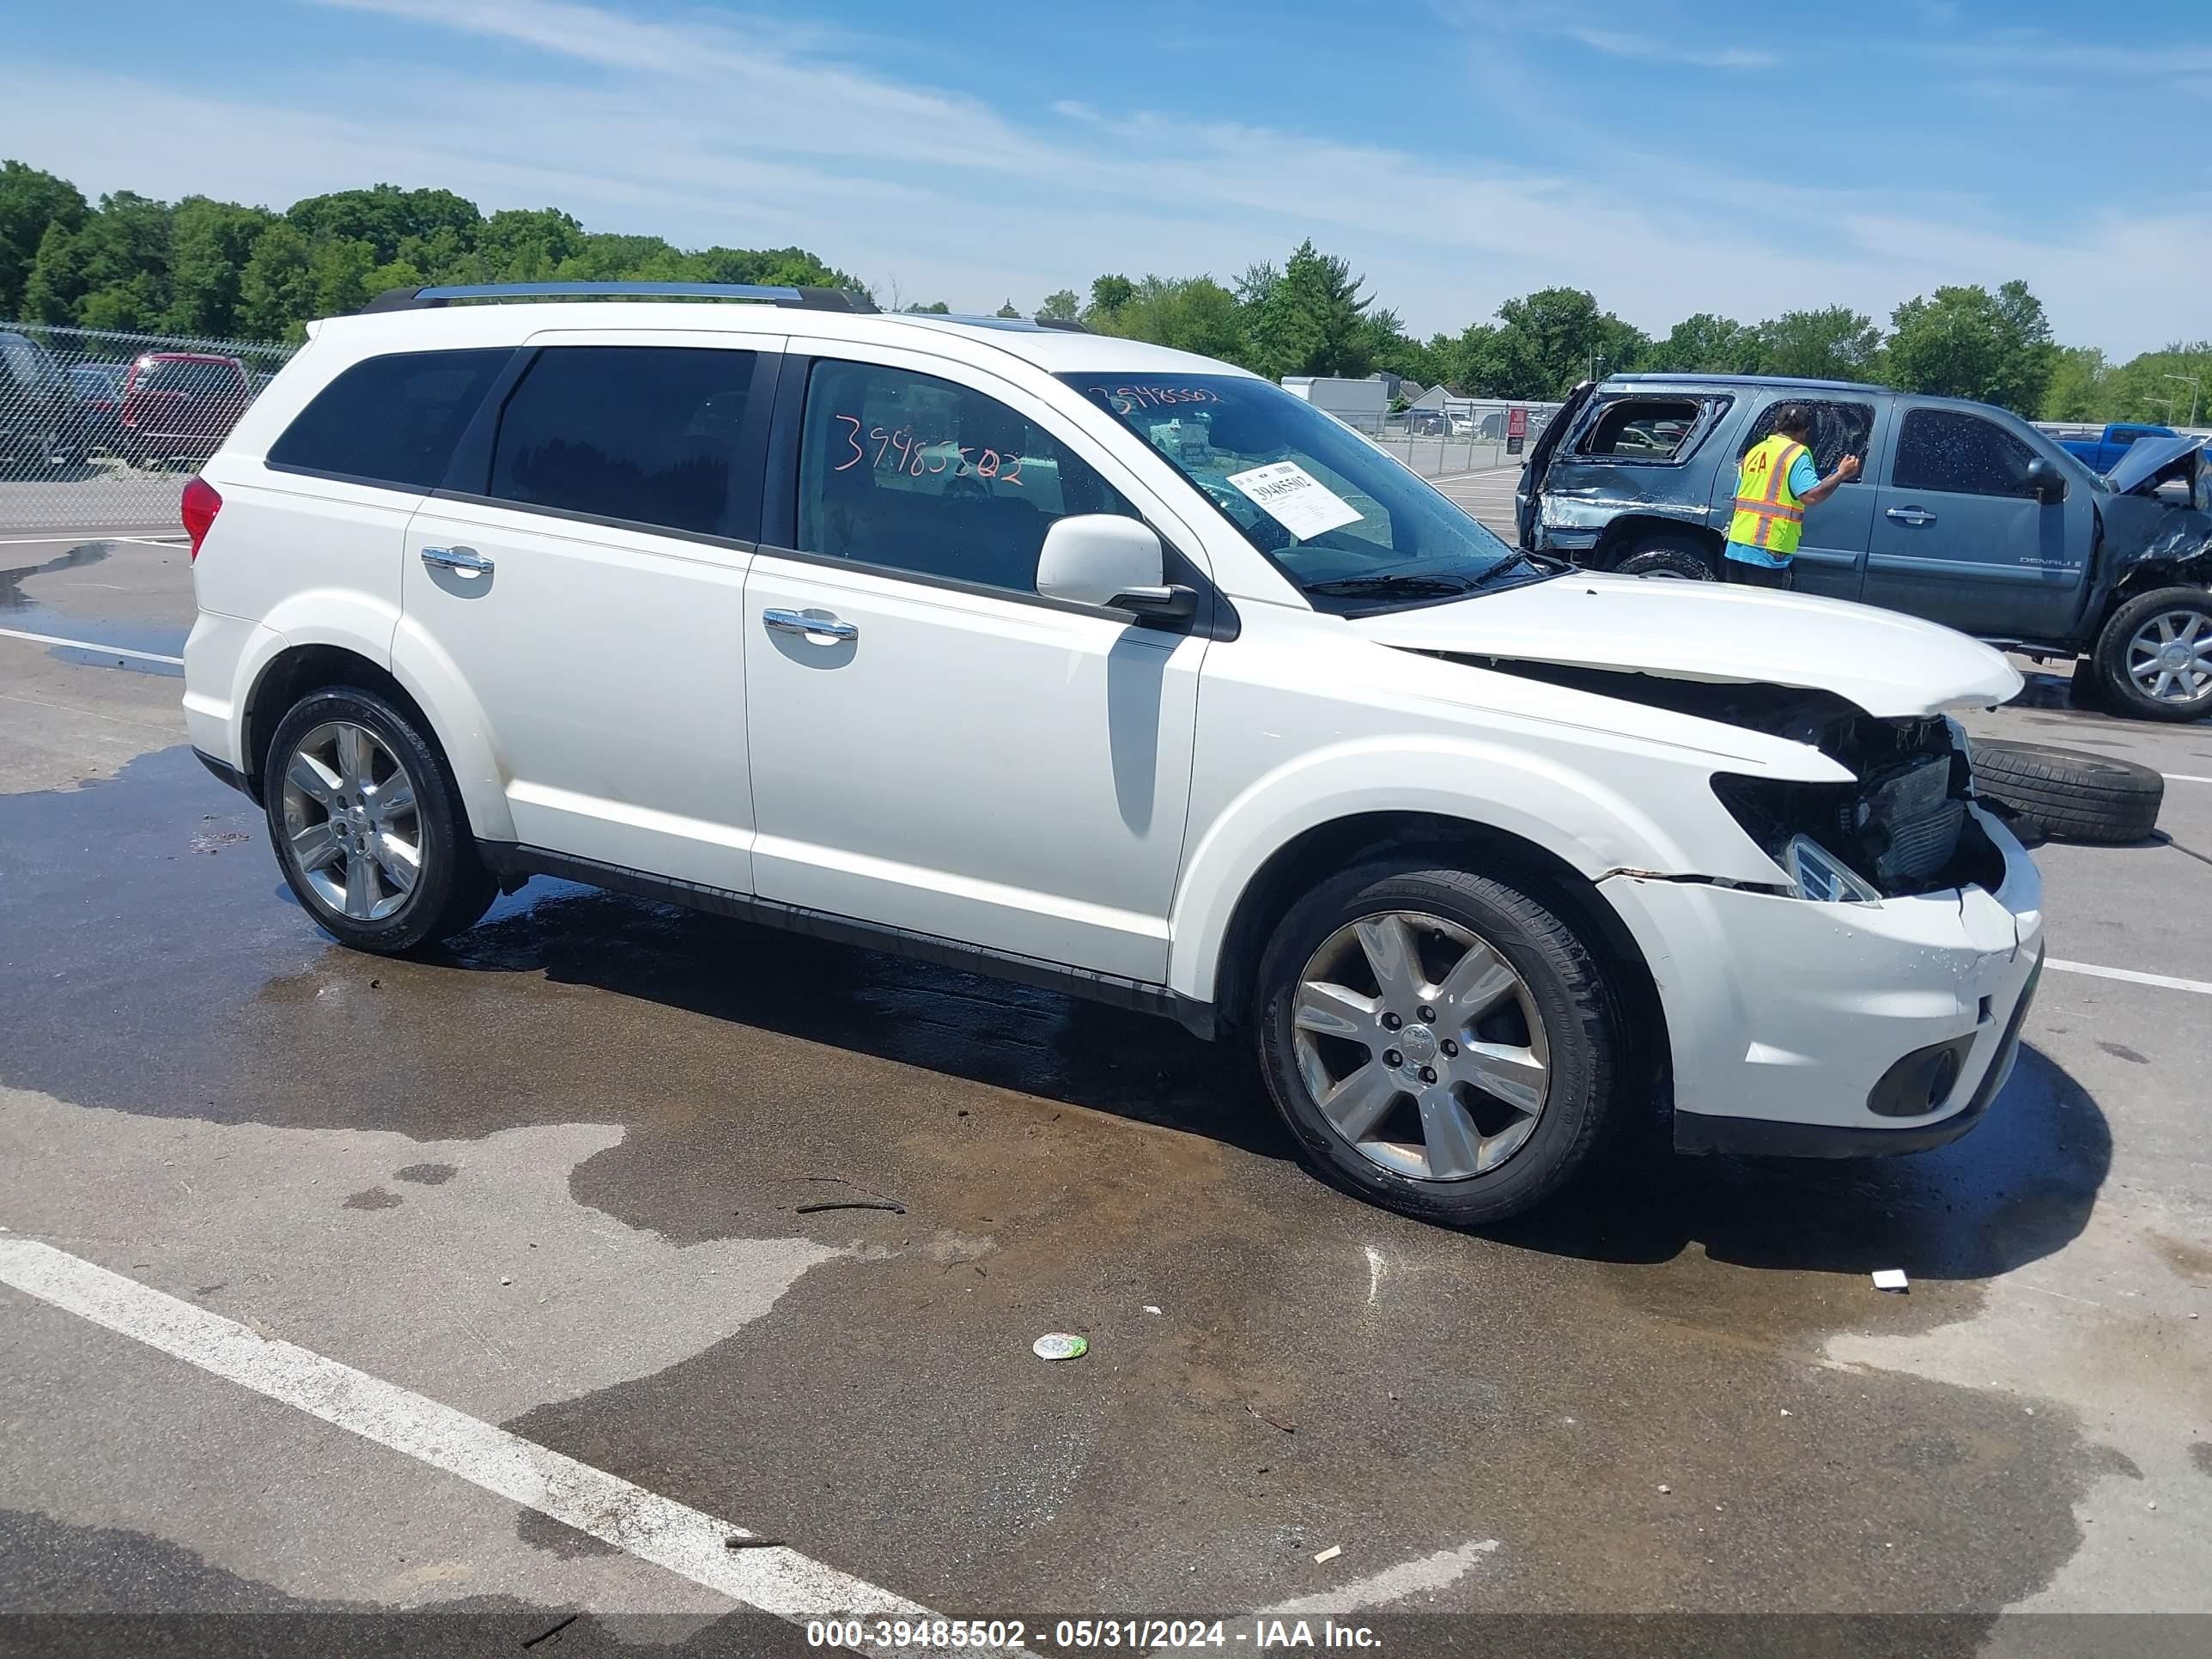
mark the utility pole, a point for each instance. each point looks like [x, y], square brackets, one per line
[2195, 383]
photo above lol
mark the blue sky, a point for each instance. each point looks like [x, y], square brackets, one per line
[1683, 157]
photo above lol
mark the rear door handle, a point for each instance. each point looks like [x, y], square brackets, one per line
[1913, 515]
[819, 623]
[466, 560]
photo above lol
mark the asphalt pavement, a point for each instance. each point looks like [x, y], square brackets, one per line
[444, 1301]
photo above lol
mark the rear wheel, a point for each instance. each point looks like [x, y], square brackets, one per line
[1683, 558]
[1439, 1043]
[2155, 657]
[367, 824]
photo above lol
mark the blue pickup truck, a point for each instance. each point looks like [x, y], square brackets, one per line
[1963, 515]
[2105, 451]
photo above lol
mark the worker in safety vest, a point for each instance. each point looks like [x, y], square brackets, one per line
[1775, 482]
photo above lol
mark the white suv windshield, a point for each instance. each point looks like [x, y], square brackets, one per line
[1356, 531]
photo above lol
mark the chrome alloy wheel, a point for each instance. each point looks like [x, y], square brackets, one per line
[2170, 657]
[1421, 1045]
[352, 821]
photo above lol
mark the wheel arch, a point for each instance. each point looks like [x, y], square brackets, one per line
[1624, 533]
[1335, 844]
[299, 667]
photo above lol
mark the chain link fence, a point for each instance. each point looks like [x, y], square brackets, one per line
[1468, 434]
[101, 430]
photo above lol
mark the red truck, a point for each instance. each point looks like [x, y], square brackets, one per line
[180, 405]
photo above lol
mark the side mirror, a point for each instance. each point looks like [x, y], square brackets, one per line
[2046, 482]
[1105, 559]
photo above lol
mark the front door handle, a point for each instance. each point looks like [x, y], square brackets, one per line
[465, 560]
[819, 623]
[1913, 515]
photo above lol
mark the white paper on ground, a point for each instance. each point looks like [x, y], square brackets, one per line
[1889, 1278]
[1295, 499]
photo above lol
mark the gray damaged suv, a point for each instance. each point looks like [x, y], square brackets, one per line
[1963, 515]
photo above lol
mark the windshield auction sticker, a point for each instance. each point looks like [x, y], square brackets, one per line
[1295, 499]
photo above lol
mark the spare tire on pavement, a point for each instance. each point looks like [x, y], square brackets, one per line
[2070, 795]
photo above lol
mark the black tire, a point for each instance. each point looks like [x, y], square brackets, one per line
[1563, 981]
[2121, 691]
[2068, 795]
[452, 890]
[1683, 557]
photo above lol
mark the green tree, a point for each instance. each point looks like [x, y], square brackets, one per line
[31, 203]
[2081, 385]
[1834, 344]
[934, 308]
[125, 246]
[275, 290]
[1707, 344]
[56, 279]
[1309, 319]
[1191, 314]
[2173, 385]
[1109, 294]
[210, 244]
[1061, 305]
[1968, 342]
[1547, 342]
[1007, 309]
[522, 245]
[383, 216]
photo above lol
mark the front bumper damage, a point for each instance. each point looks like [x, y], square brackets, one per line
[1784, 1016]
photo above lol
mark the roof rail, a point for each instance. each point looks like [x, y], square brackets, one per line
[807, 299]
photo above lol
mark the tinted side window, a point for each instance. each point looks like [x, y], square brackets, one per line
[391, 419]
[648, 434]
[1946, 449]
[1641, 429]
[916, 473]
[1839, 429]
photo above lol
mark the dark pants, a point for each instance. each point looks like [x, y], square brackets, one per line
[1756, 575]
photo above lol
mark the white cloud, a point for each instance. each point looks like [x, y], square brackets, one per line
[723, 131]
[1643, 48]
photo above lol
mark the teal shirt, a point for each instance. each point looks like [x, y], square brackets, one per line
[1803, 477]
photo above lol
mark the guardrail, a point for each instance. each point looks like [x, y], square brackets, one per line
[100, 428]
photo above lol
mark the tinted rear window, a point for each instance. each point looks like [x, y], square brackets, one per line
[645, 435]
[391, 419]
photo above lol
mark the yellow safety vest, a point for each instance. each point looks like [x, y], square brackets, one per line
[1769, 513]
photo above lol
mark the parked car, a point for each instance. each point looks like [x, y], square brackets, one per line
[2105, 451]
[914, 632]
[179, 405]
[41, 426]
[99, 388]
[1964, 515]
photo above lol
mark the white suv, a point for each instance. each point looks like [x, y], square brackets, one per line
[1115, 669]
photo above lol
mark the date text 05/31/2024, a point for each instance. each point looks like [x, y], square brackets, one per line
[987, 1635]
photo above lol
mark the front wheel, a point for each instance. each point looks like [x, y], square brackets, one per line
[1441, 1043]
[1679, 558]
[368, 826]
[2155, 657]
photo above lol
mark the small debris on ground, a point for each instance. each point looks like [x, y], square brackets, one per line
[736, 1542]
[1150, 1308]
[1890, 1278]
[506, 1281]
[1785, 1411]
[548, 1635]
[852, 1204]
[1335, 1549]
[1665, 1489]
[1271, 1421]
[1059, 1345]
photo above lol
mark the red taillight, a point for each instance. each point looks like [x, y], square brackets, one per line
[199, 508]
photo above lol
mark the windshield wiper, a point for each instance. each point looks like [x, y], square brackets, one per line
[1404, 581]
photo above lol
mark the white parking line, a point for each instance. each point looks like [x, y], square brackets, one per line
[79, 539]
[775, 1579]
[2164, 981]
[92, 645]
[2182, 777]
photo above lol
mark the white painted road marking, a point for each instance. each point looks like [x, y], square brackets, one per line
[1430, 1572]
[2164, 981]
[93, 646]
[2182, 777]
[775, 1579]
[77, 538]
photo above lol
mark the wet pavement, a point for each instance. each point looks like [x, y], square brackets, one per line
[569, 1177]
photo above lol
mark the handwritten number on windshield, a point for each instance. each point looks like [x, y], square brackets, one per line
[1128, 399]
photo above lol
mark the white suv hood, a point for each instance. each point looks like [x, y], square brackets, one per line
[1891, 665]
